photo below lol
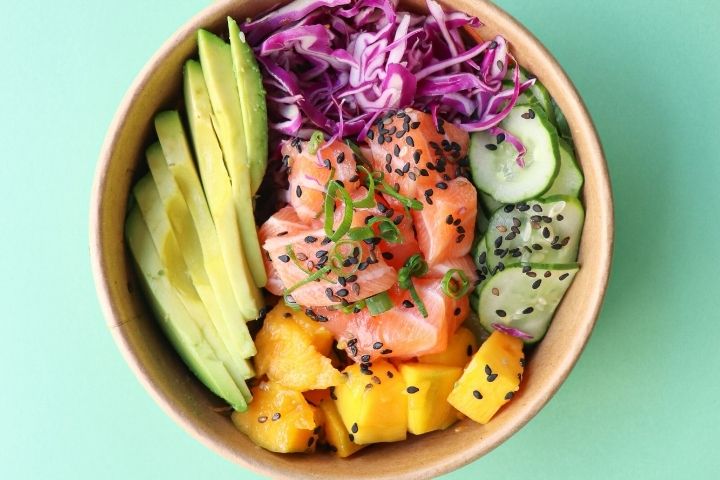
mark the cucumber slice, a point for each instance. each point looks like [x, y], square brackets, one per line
[493, 164]
[562, 124]
[539, 231]
[148, 201]
[535, 94]
[569, 180]
[174, 319]
[481, 223]
[489, 204]
[524, 298]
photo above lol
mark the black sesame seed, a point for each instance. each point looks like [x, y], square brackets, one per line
[365, 358]
[398, 220]
[406, 168]
[341, 157]
[415, 125]
[460, 238]
[399, 172]
[276, 416]
[536, 246]
[411, 389]
[343, 292]
[545, 232]
[560, 218]
[396, 150]
[351, 437]
[370, 134]
[310, 239]
[457, 222]
[387, 255]
[441, 185]
[354, 428]
[457, 311]
[389, 374]
[491, 146]
[424, 172]
[528, 310]
[537, 208]
[321, 253]
[407, 304]
[449, 219]
[429, 192]
[429, 200]
[377, 345]
[536, 284]
[563, 276]
[409, 140]
[500, 138]
[524, 207]
[325, 241]
[298, 191]
[500, 313]
[547, 219]
[509, 395]
[412, 176]
[388, 168]
[498, 242]
[477, 395]
[509, 208]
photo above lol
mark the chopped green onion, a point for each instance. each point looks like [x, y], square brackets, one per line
[290, 302]
[369, 200]
[387, 189]
[344, 226]
[414, 267]
[310, 278]
[388, 231]
[316, 140]
[452, 287]
[356, 150]
[379, 303]
[291, 253]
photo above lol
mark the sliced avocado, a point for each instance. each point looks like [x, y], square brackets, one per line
[202, 254]
[148, 201]
[216, 182]
[227, 118]
[174, 319]
[252, 102]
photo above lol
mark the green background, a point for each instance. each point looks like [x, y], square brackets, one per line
[644, 399]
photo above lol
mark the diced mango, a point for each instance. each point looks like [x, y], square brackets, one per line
[428, 387]
[279, 419]
[373, 403]
[461, 347]
[321, 337]
[491, 379]
[287, 353]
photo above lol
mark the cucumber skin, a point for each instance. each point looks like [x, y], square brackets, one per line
[554, 140]
[483, 289]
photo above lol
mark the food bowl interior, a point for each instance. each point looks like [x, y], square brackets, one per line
[184, 398]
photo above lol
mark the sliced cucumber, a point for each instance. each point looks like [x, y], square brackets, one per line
[569, 180]
[535, 94]
[481, 223]
[493, 163]
[562, 123]
[524, 298]
[489, 204]
[539, 231]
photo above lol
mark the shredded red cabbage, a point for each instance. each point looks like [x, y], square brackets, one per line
[335, 65]
[513, 332]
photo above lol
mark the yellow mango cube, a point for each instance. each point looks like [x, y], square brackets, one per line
[279, 419]
[428, 387]
[491, 379]
[373, 403]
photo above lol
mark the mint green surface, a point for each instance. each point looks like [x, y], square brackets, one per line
[644, 400]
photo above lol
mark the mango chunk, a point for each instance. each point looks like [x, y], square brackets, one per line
[288, 355]
[321, 337]
[461, 347]
[279, 419]
[428, 387]
[491, 379]
[373, 403]
[333, 434]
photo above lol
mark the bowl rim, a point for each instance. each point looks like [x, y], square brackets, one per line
[574, 109]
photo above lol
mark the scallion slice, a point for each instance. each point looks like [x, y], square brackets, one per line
[379, 303]
[334, 188]
[453, 287]
[316, 140]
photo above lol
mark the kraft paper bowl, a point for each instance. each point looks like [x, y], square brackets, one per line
[184, 398]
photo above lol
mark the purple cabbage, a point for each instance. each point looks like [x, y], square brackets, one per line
[336, 65]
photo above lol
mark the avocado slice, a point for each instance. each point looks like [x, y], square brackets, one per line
[174, 319]
[252, 102]
[215, 179]
[148, 201]
[227, 118]
[201, 252]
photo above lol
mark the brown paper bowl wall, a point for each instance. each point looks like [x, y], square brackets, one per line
[164, 375]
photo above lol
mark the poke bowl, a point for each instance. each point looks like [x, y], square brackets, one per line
[143, 340]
